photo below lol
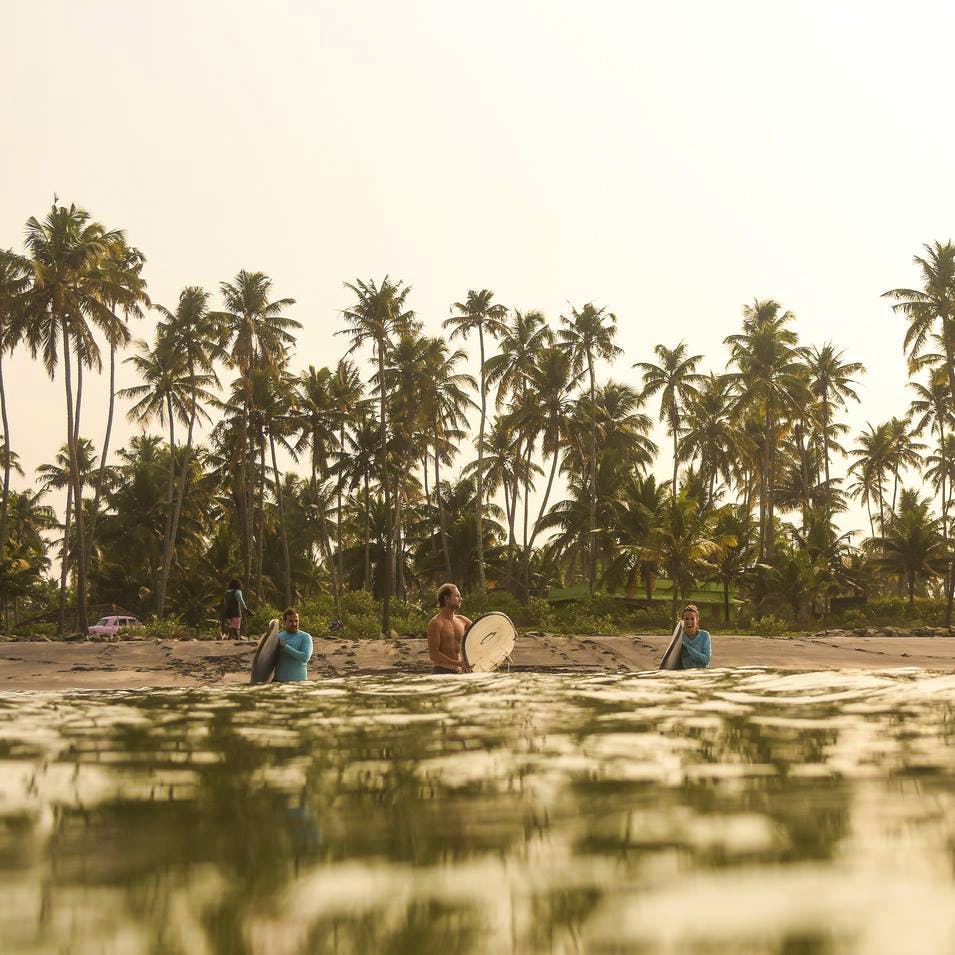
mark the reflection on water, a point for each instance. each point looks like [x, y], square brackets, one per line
[709, 811]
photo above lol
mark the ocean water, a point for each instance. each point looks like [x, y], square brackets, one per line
[723, 811]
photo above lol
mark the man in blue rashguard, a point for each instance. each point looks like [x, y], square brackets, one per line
[697, 649]
[295, 650]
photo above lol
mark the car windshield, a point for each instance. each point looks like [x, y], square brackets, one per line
[102, 621]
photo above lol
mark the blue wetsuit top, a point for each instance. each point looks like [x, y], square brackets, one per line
[293, 657]
[696, 653]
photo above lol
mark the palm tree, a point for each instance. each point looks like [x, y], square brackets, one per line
[126, 290]
[733, 533]
[479, 313]
[676, 380]
[169, 392]
[521, 339]
[255, 333]
[502, 473]
[622, 429]
[911, 544]
[873, 460]
[637, 508]
[903, 450]
[190, 332]
[930, 311]
[445, 403]
[687, 549]
[14, 283]
[932, 407]
[588, 336]
[770, 381]
[277, 402]
[57, 476]
[831, 381]
[346, 393]
[356, 467]
[379, 313]
[708, 435]
[71, 286]
[552, 380]
[318, 432]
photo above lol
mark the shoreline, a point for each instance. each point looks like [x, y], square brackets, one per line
[136, 664]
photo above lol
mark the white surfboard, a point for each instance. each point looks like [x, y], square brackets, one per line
[266, 654]
[489, 642]
[671, 659]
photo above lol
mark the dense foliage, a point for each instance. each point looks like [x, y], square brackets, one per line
[552, 460]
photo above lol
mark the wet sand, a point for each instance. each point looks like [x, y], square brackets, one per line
[132, 664]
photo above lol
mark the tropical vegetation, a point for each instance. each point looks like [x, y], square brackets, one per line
[361, 484]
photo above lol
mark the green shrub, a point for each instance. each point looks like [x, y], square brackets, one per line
[258, 623]
[169, 628]
[770, 626]
[35, 629]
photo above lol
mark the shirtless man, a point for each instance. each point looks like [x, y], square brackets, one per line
[446, 632]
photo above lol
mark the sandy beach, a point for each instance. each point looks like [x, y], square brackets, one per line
[133, 664]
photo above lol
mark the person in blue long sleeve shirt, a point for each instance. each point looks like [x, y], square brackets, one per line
[295, 650]
[697, 648]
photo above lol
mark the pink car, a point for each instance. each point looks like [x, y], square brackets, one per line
[111, 625]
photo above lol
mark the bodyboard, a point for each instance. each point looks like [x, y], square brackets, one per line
[671, 659]
[266, 654]
[488, 642]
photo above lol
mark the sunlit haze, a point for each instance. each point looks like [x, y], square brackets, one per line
[669, 161]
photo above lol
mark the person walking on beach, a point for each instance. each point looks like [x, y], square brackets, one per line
[295, 650]
[446, 632]
[232, 607]
[697, 648]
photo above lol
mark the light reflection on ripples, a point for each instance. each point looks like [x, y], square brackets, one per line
[730, 811]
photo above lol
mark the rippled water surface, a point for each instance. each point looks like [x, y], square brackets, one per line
[702, 812]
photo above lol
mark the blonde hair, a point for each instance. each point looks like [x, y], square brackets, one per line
[692, 607]
[444, 591]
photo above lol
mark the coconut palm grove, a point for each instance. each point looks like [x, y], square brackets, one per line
[509, 451]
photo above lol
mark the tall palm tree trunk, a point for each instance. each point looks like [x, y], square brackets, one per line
[593, 474]
[442, 523]
[763, 493]
[825, 432]
[386, 486]
[170, 500]
[101, 472]
[367, 574]
[540, 517]
[950, 571]
[4, 506]
[676, 452]
[71, 426]
[400, 585]
[324, 533]
[170, 547]
[515, 492]
[280, 498]
[260, 520]
[479, 505]
[65, 559]
[527, 493]
[948, 582]
[771, 497]
[510, 507]
[243, 496]
[341, 552]
[429, 507]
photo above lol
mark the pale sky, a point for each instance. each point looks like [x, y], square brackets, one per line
[669, 161]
